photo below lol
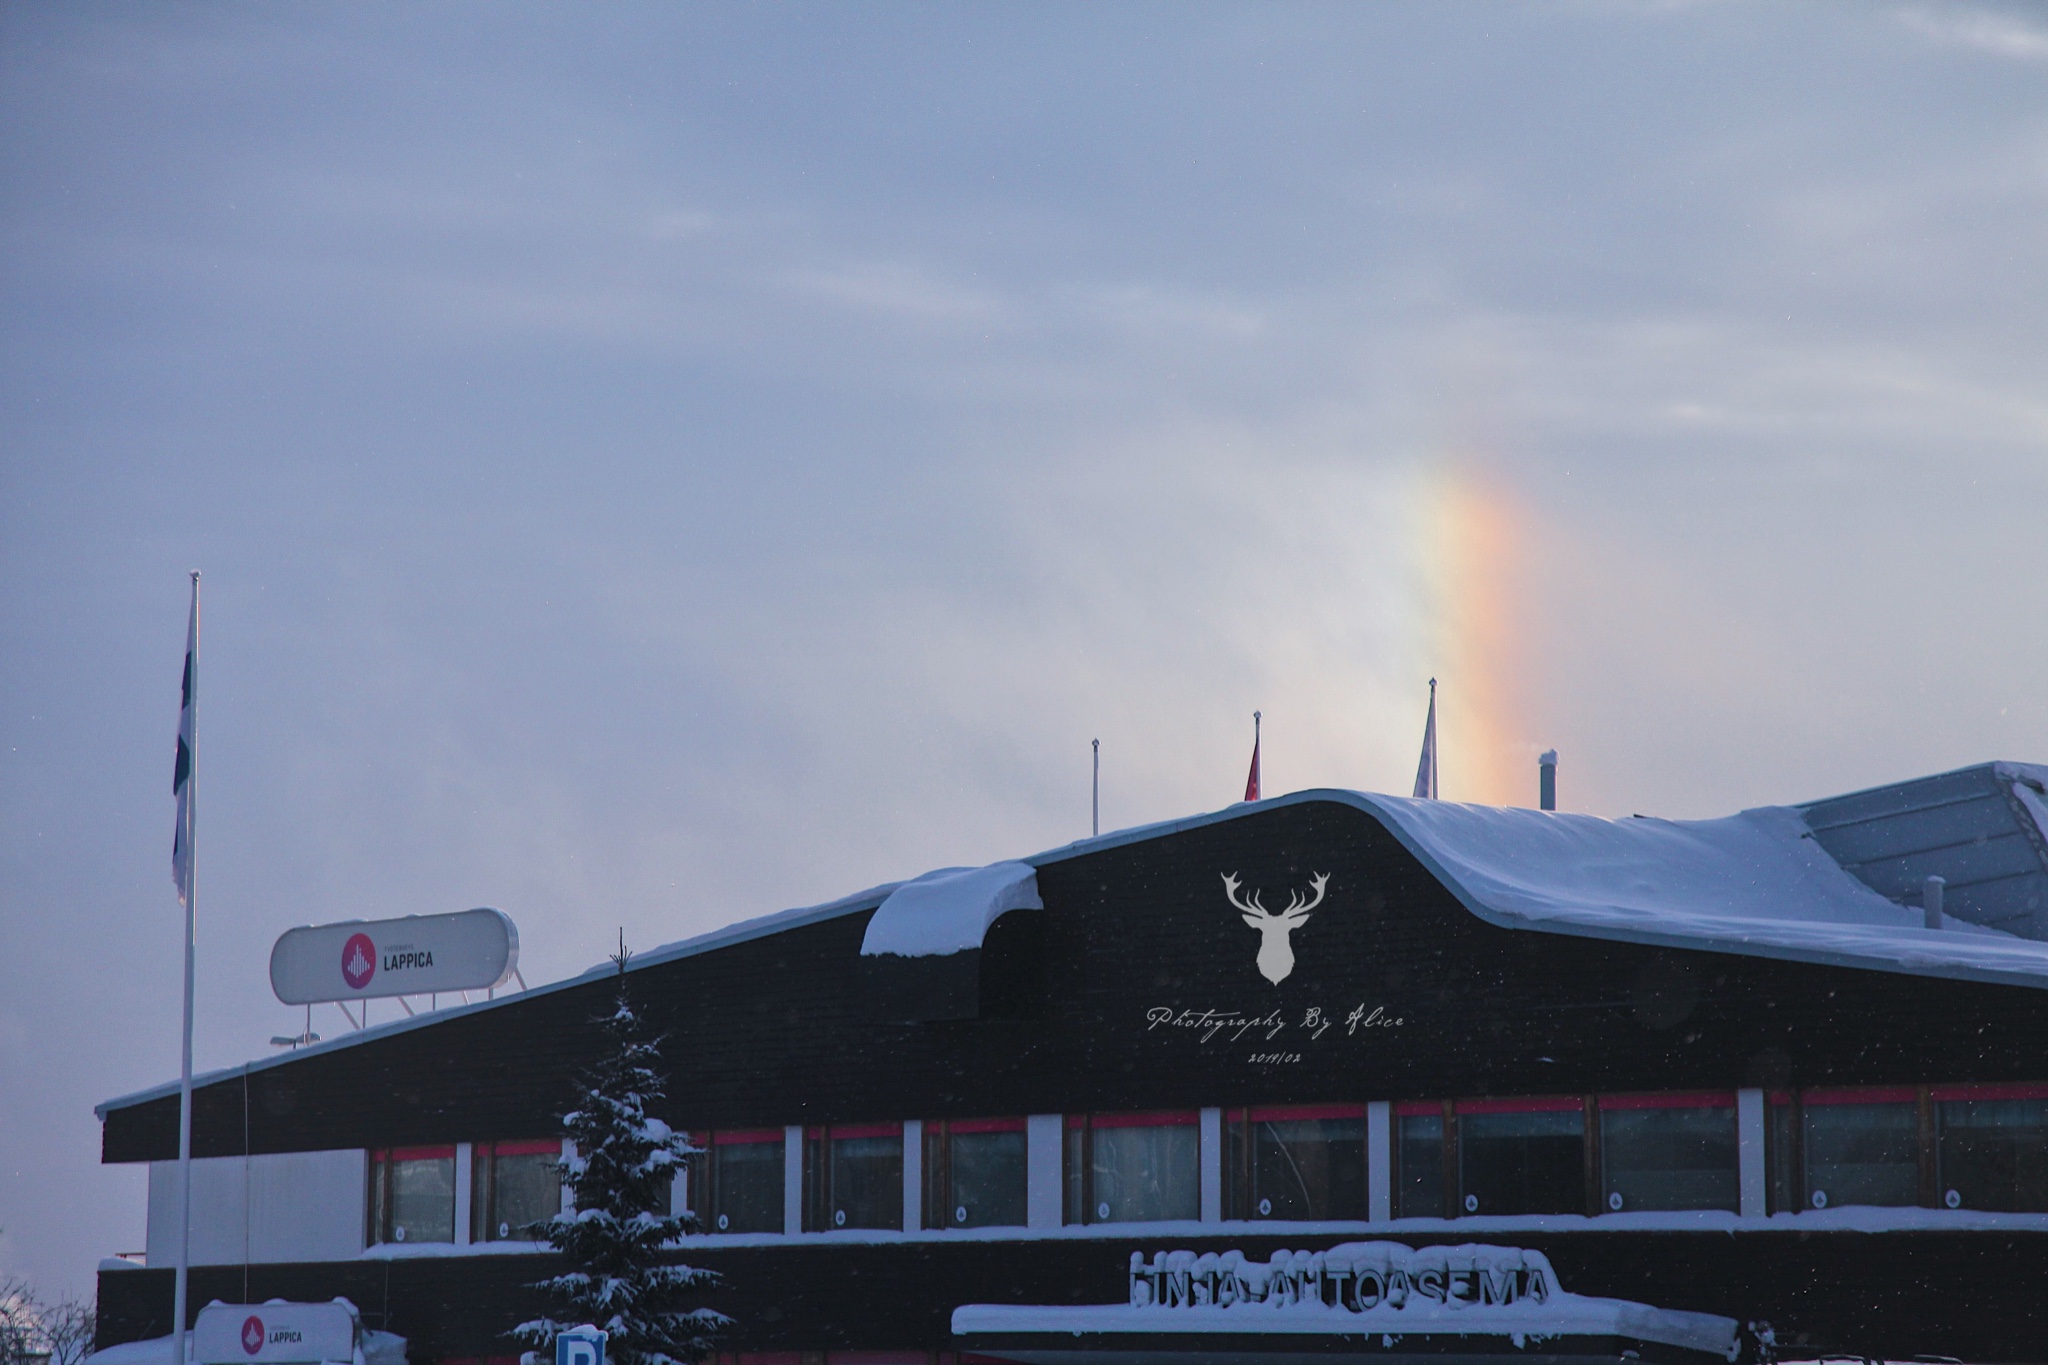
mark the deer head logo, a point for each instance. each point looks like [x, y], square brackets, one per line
[1276, 954]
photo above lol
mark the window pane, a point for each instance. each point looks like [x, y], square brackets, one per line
[1074, 1155]
[1862, 1154]
[1523, 1163]
[379, 1229]
[746, 1185]
[988, 1180]
[423, 1199]
[1143, 1175]
[1669, 1158]
[867, 1182]
[1782, 1144]
[1309, 1168]
[1421, 1159]
[525, 1189]
[1994, 1155]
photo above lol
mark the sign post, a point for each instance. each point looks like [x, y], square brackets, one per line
[580, 1346]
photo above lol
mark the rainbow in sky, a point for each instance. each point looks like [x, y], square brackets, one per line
[1476, 614]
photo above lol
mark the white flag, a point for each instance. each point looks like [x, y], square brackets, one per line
[181, 777]
[1425, 773]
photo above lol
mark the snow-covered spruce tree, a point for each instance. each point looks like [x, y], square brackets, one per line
[618, 1277]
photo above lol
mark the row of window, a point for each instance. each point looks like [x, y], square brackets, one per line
[513, 1185]
[1974, 1147]
[1959, 1147]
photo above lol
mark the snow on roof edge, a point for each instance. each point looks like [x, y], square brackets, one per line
[1913, 952]
[741, 931]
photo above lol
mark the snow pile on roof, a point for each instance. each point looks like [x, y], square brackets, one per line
[1382, 1287]
[1754, 883]
[950, 910]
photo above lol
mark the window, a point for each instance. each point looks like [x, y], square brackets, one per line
[512, 1187]
[1522, 1156]
[1133, 1168]
[974, 1173]
[1781, 1153]
[412, 1195]
[736, 1181]
[853, 1176]
[1418, 1159]
[1993, 1147]
[1669, 1152]
[1861, 1147]
[1302, 1162]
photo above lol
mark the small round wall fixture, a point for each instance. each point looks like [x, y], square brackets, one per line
[1102, 1212]
[504, 1231]
[1265, 1208]
[398, 1233]
[1820, 1199]
[724, 1221]
[1471, 1203]
[839, 1218]
[1954, 1199]
[1614, 1201]
[960, 1213]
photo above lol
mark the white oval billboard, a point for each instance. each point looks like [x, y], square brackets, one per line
[274, 1333]
[471, 950]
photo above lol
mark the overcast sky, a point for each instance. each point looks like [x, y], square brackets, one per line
[655, 465]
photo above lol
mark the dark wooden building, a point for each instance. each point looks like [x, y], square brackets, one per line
[1332, 1073]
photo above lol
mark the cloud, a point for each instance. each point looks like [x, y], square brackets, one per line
[1998, 32]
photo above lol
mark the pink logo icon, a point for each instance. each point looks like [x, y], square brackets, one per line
[252, 1334]
[358, 965]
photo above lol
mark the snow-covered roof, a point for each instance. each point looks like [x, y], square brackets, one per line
[1758, 884]
[950, 910]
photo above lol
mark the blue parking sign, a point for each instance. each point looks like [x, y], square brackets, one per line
[580, 1346]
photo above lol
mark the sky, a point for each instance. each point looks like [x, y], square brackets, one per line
[653, 465]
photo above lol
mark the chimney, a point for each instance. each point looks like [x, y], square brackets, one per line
[1930, 899]
[1546, 780]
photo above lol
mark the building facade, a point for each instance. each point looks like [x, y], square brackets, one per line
[1311, 1054]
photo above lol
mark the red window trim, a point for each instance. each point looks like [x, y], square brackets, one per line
[523, 1147]
[1408, 1109]
[1993, 1090]
[1154, 1118]
[418, 1153]
[864, 1130]
[982, 1125]
[1778, 1096]
[1677, 1099]
[734, 1137]
[1280, 1113]
[1876, 1094]
[1523, 1104]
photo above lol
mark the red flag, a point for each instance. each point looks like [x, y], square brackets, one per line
[1251, 783]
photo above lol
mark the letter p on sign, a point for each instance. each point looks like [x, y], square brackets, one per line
[582, 1346]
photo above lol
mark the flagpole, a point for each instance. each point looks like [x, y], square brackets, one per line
[1434, 794]
[1095, 790]
[181, 1285]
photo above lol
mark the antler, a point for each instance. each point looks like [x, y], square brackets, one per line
[1250, 906]
[1298, 906]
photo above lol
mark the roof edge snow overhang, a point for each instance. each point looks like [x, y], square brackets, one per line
[1867, 931]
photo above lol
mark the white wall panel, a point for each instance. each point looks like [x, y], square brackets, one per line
[286, 1206]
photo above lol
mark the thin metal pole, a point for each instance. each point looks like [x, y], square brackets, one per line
[1095, 790]
[181, 1287]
